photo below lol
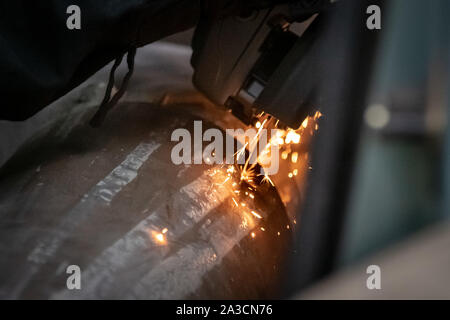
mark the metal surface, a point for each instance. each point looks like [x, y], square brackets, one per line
[95, 198]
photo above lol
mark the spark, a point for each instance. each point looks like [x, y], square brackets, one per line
[228, 178]
[305, 123]
[253, 149]
[292, 137]
[248, 175]
[241, 151]
[256, 214]
[159, 237]
[245, 175]
[317, 115]
[267, 178]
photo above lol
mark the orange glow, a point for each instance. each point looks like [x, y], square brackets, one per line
[256, 215]
[305, 123]
[242, 180]
[159, 237]
[294, 157]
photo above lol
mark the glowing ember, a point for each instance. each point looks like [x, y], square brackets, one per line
[292, 137]
[256, 215]
[305, 123]
[294, 157]
[285, 140]
[243, 179]
[159, 237]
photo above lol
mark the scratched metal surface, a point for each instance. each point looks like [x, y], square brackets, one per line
[93, 197]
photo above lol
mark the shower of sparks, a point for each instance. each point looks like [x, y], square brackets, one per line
[242, 180]
[267, 178]
[285, 140]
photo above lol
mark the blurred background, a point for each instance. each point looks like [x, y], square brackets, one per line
[397, 210]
